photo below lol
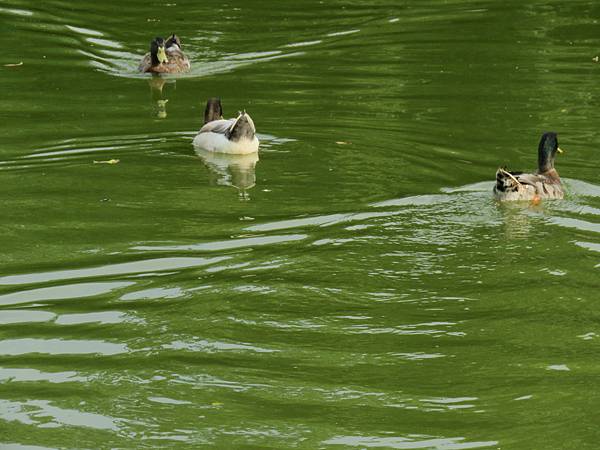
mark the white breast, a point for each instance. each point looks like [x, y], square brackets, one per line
[216, 142]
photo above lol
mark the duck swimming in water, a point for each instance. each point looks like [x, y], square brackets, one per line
[234, 136]
[165, 57]
[542, 184]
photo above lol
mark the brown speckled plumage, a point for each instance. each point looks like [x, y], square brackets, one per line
[176, 62]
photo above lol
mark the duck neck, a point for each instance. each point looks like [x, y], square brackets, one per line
[210, 115]
[545, 163]
[213, 111]
[552, 174]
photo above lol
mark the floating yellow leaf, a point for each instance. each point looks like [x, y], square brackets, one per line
[217, 404]
[109, 161]
[343, 143]
[20, 63]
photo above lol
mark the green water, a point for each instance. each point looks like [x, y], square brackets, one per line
[354, 287]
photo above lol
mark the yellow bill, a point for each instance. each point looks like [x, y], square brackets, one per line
[161, 55]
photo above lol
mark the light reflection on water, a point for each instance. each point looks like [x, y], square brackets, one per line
[24, 375]
[44, 415]
[137, 267]
[59, 347]
[409, 442]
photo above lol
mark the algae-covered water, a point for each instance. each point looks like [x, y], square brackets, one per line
[353, 286]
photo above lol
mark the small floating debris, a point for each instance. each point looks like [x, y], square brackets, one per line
[588, 336]
[596, 58]
[343, 143]
[559, 367]
[20, 63]
[109, 161]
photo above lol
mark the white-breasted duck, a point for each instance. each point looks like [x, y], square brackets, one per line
[233, 136]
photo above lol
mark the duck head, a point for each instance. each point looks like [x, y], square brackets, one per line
[173, 42]
[243, 128]
[547, 151]
[157, 51]
[214, 110]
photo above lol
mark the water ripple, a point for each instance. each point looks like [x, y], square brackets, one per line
[408, 442]
[24, 346]
[225, 245]
[137, 267]
[43, 414]
[80, 290]
[24, 447]
[24, 375]
[206, 346]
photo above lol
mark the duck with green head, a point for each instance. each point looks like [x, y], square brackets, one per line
[165, 57]
[541, 184]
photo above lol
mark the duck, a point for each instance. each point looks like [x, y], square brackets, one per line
[234, 136]
[542, 184]
[165, 57]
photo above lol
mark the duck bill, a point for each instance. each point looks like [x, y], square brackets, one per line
[161, 55]
[560, 150]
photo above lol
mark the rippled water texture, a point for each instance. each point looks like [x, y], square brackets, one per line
[353, 286]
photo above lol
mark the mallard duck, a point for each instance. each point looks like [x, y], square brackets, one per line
[234, 136]
[165, 57]
[542, 184]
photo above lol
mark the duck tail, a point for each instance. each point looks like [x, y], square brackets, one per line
[506, 181]
[510, 175]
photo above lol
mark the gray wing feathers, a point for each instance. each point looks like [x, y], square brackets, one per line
[218, 126]
[544, 187]
[530, 178]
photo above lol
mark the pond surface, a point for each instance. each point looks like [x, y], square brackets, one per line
[353, 286]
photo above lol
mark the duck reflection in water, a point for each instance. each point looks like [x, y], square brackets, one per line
[232, 170]
[157, 84]
[518, 220]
